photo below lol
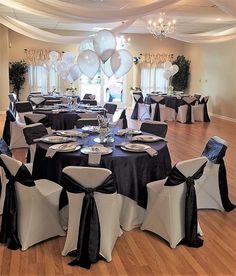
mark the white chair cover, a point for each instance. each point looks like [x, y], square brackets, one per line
[165, 213]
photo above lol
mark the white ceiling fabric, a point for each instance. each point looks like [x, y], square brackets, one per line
[76, 12]
[80, 13]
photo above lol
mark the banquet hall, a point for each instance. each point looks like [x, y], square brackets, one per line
[122, 92]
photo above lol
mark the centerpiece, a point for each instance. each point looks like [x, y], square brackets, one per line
[71, 96]
[103, 128]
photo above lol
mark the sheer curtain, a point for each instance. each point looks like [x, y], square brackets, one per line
[42, 80]
[152, 80]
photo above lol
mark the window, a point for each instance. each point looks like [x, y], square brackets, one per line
[152, 80]
[43, 81]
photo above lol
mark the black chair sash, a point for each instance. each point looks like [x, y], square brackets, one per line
[34, 132]
[4, 150]
[205, 110]
[191, 221]
[123, 117]
[134, 114]
[215, 152]
[189, 111]
[23, 107]
[88, 244]
[157, 113]
[9, 233]
[45, 121]
[7, 128]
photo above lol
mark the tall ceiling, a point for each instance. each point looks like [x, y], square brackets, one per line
[193, 16]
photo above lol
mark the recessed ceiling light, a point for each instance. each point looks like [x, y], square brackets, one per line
[218, 19]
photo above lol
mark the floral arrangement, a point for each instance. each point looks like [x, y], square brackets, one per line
[72, 90]
[102, 121]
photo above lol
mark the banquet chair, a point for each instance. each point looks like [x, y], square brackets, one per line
[13, 99]
[140, 109]
[37, 101]
[198, 96]
[212, 188]
[38, 118]
[171, 210]
[121, 122]
[172, 103]
[111, 109]
[185, 111]
[81, 190]
[155, 127]
[23, 108]
[200, 110]
[89, 102]
[157, 108]
[53, 102]
[88, 96]
[86, 122]
[31, 132]
[31, 212]
[4, 149]
[13, 132]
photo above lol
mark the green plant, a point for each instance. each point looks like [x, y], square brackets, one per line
[180, 79]
[17, 71]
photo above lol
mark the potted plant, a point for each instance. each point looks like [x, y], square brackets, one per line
[17, 71]
[180, 79]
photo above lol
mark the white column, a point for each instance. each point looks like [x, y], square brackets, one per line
[4, 68]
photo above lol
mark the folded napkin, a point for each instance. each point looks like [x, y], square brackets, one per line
[152, 152]
[95, 155]
[122, 132]
[50, 152]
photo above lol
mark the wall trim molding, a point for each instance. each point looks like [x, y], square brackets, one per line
[223, 117]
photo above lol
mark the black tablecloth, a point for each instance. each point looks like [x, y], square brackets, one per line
[132, 171]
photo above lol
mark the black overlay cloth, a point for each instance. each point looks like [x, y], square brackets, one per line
[8, 233]
[215, 152]
[191, 222]
[88, 244]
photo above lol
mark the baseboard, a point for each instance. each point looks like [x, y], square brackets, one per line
[223, 117]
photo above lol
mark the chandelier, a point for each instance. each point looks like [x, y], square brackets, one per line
[161, 28]
[123, 42]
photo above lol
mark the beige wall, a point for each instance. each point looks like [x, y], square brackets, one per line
[4, 65]
[213, 73]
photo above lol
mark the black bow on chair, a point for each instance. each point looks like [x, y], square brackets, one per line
[215, 152]
[191, 223]
[8, 232]
[88, 244]
[157, 113]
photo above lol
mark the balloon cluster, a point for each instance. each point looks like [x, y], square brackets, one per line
[170, 70]
[112, 61]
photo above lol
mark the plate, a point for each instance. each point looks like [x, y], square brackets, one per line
[134, 131]
[136, 147]
[94, 129]
[68, 147]
[147, 138]
[55, 139]
[69, 133]
[102, 150]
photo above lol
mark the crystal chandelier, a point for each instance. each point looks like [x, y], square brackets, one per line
[161, 28]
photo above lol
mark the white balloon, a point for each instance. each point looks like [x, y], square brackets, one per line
[108, 68]
[53, 56]
[48, 65]
[126, 62]
[61, 66]
[167, 65]
[104, 43]
[115, 61]
[88, 62]
[166, 74]
[175, 69]
[74, 72]
[68, 57]
[86, 44]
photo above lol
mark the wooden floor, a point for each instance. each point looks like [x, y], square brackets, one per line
[142, 253]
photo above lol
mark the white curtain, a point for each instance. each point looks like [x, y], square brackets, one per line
[152, 80]
[43, 81]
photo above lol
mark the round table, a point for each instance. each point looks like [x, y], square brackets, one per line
[131, 170]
